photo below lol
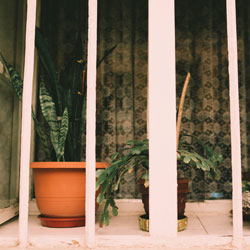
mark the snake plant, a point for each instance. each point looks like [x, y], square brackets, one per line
[62, 102]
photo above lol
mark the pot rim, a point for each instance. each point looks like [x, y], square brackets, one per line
[65, 164]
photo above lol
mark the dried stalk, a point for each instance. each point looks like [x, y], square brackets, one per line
[183, 94]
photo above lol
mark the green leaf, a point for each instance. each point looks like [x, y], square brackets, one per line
[44, 137]
[106, 218]
[101, 177]
[193, 158]
[145, 176]
[48, 64]
[99, 172]
[112, 202]
[217, 174]
[136, 151]
[112, 167]
[106, 205]
[100, 198]
[105, 184]
[15, 77]
[205, 165]
[115, 211]
[116, 186]
[83, 120]
[101, 219]
[63, 132]
[97, 186]
[199, 165]
[49, 113]
[114, 156]
[186, 159]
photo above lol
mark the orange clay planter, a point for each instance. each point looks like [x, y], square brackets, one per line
[60, 192]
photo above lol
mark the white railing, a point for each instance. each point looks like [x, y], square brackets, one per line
[26, 122]
[161, 101]
[91, 125]
[162, 119]
[235, 123]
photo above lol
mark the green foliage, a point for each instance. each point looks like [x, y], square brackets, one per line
[245, 186]
[48, 64]
[15, 78]
[49, 112]
[135, 156]
[44, 137]
[62, 101]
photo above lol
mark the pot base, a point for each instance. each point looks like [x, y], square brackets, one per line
[144, 223]
[62, 222]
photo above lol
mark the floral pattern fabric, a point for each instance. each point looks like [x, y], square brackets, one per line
[201, 48]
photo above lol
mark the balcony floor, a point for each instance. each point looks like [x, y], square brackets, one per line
[210, 221]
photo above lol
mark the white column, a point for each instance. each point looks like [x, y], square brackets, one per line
[162, 119]
[91, 125]
[235, 123]
[26, 123]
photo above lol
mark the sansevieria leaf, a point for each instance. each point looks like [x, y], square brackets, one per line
[83, 121]
[15, 78]
[48, 64]
[49, 113]
[44, 137]
[63, 132]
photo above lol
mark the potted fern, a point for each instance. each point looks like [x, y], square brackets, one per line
[59, 181]
[135, 156]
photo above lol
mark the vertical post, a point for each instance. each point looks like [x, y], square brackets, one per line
[26, 122]
[91, 125]
[162, 119]
[235, 123]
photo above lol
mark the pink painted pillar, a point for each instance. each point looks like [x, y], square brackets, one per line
[235, 123]
[26, 123]
[162, 119]
[91, 126]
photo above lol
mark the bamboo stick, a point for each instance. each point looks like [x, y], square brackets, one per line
[183, 95]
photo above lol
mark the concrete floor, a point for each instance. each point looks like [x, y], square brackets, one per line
[209, 227]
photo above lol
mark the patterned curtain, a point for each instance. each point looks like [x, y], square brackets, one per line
[121, 78]
[243, 24]
[201, 48]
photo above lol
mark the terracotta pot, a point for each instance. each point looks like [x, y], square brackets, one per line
[60, 188]
[182, 191]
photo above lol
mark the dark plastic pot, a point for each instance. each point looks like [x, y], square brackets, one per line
[182, 191]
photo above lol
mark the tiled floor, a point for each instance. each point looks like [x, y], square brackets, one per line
[204, 219]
